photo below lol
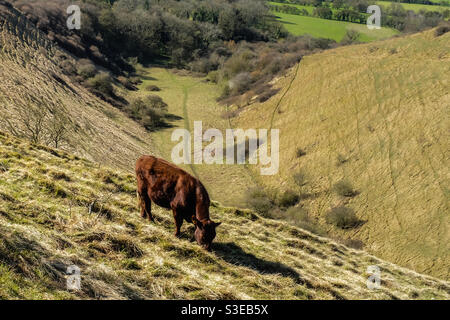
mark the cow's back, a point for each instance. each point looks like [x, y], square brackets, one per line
[164, 181]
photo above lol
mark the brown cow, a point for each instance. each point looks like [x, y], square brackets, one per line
[173, 188]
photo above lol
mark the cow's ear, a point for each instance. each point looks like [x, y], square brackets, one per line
[216, 224]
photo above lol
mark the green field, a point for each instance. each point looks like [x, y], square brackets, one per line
[414, 7]
[299, 25]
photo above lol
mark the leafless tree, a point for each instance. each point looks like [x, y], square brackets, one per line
[57, 128]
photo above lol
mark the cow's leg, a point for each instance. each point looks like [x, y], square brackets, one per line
[178, 222]
[145, 203]
[141, 205]
[148, 208]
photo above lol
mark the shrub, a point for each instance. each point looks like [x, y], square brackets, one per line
[155, 102]
[300, 178]
[350, 37]
[342, 217]
[288, 198]
[259, 200]
[126, 83]
[345, 189]
[296, 214]
[354, 243]
[149, 111]
[267, 95]
[299, 217]
[213, 76]
[341, 159]
[442, 29]
[152, 87]
[86, 70]
[240, 83]
[300, 152]
[102, 83]
[67, 67]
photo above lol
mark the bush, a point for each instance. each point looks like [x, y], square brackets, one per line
[345, 189]
[86, 71]
[259, 201]
[342, 217]
[240, 83]
[149, 111]
[300, 178]
[442, 30]
[300, 152]
[288, 198]
[296, 214]
[354, 243]
[341, 159]
[350, 37]
[126, 83]
[102, 83]
[213, 76]
[299, 217]
[152, 87]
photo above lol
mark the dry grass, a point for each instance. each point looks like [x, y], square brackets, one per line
[383, 114]
[122, 256]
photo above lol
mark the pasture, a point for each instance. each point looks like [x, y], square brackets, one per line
[332, 29]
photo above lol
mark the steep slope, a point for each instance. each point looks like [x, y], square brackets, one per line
[31, 79]
[57, 210]
[375, 115]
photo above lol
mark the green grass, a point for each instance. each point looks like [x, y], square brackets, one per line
[323, 28]
[122, 256]
[415, 7]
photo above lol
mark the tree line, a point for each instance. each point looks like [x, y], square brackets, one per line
[394, 15]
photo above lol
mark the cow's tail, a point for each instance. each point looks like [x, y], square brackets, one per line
[139, 176]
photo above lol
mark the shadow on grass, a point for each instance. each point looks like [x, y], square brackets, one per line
[234, 254]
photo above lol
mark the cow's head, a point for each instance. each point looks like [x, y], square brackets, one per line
[205, 232]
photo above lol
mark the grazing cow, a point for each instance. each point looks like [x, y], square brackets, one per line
[173, 188]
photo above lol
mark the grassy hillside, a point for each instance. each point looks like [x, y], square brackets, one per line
[332, 29]
[58, 210]
[31, 76]
[376, 116]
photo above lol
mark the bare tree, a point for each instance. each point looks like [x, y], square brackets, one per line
[57, 129]
[38, 123]
[32, 118]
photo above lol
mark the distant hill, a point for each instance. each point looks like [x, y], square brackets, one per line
[376, 116]
[57, 210]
